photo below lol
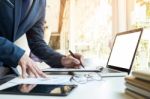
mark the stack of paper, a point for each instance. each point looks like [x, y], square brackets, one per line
[138, 85]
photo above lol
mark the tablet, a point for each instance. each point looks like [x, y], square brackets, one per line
[39, 89]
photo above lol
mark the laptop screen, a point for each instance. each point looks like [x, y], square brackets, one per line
[124, 48]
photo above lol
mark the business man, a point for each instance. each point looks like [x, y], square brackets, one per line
[26, 16]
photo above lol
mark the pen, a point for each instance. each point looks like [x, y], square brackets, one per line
[75, 57]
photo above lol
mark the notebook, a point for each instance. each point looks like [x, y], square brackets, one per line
[123, 52]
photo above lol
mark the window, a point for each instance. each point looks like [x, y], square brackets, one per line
[87, 26]
[140, 17]
[91, 27]
[84, 26]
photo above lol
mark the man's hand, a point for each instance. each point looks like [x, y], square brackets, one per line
[71, 62]
[29, 67]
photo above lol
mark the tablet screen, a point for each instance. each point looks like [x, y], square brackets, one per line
[39, 89]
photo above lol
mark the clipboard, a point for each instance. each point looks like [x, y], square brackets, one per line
[97, 69]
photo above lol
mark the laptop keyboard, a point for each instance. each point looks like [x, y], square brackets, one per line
[107, 70]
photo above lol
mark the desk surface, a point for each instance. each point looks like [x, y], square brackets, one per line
[108, 88]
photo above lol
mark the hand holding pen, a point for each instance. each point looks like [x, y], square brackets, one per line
[73, 55]
[72, 61]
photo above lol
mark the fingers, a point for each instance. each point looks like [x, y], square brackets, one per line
[30, 74]
[75, 61]
[40, 72]
[78, 57]
[29, 67]
[23, 71]
[71, 62]
[34, 71]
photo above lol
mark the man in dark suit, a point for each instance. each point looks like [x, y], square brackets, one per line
[26, 16]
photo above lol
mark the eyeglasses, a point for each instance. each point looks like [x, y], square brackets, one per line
[82, 79]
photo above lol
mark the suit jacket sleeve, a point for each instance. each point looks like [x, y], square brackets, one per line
[10, 54]
[39, 47]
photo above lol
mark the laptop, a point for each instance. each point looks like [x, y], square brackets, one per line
[120, 59]
[123, 52]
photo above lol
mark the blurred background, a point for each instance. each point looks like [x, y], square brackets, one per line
[88, 27]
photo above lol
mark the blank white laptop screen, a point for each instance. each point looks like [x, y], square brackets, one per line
[123, 50]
